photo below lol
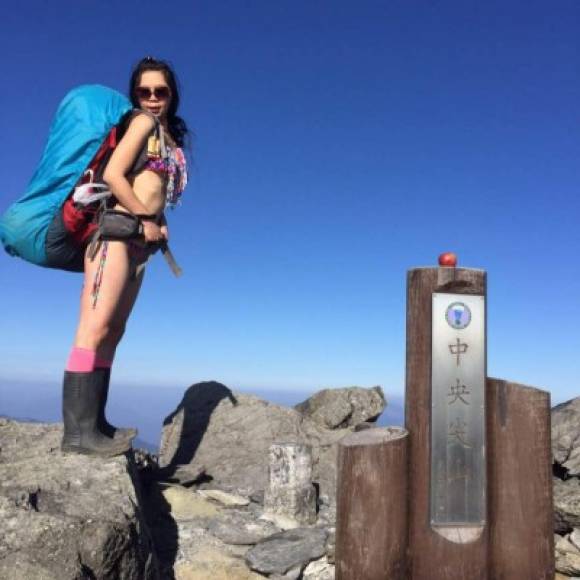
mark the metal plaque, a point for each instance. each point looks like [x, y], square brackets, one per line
[458, 410]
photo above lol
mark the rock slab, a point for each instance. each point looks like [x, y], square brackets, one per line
[68, 517]
[287, 550]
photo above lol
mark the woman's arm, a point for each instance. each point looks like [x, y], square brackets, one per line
[122, 160]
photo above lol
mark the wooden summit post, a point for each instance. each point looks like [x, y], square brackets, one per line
[480, 483]
[445, 417]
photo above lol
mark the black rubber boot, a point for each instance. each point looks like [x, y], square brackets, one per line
[82, 393]
[117, 433]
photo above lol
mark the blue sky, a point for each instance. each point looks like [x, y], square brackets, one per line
[338, 144]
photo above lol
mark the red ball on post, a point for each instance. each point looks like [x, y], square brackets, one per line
[448, 259]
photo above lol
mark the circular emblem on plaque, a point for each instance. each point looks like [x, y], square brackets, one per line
[458, 315]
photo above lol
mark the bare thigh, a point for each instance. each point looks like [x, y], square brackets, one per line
[102, 320]
[129, 297]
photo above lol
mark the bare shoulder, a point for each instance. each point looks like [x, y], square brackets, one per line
[140, 123]
[129, 147]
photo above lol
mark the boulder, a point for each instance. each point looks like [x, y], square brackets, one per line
[67, 516]
[343, 408]
[241, 529]
[229, 434]
[287, 551]
[566, 435]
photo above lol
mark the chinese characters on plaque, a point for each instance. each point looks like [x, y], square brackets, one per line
[458, 413]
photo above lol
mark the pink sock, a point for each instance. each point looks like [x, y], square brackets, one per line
[103, 363]
[81, 360]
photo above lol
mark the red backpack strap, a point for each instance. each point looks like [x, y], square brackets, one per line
[113, 138]
[104, 151]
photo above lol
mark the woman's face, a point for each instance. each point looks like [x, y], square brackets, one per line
[153, 93]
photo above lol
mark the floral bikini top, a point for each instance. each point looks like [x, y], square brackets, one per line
[165, 159]
[174, 166]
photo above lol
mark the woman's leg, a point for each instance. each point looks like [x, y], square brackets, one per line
[106, 350]
[101, 324]
[106, 353]
[100, 327]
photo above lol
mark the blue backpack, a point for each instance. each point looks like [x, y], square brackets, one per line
[81, 134]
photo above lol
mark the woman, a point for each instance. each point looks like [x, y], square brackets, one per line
[145, 173]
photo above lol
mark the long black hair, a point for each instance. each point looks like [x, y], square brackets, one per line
[177, 126]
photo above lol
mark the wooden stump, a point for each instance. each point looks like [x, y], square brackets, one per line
[371, 530]
[432, 556]
[520, 482]
[290, 498]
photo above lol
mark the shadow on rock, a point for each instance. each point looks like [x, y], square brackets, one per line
[191, 419]
[162, 526]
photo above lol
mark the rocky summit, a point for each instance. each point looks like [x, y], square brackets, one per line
[199, 512]
[195, 515]
[68, 516]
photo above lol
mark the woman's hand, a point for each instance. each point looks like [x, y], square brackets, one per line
[164, 231]
[152, 232]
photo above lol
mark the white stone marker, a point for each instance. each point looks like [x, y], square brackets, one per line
[290, 499]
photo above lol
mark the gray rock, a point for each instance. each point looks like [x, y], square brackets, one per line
[319, 570]
[566, 435]
[566, 504]
[567, 556]
[288, 550]
[230, 434]
[574, 537]
[257, 497]
[241, 529]
[68, 516]
[227, 433]
[342, 408]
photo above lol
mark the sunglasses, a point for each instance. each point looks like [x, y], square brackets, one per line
[145, 93]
